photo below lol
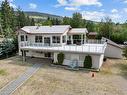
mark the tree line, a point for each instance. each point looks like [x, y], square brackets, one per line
[106, 28]
[10, 21]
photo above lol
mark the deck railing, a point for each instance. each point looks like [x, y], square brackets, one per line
[97, 48]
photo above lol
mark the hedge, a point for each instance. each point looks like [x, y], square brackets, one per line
[88, 62]
[60, 58]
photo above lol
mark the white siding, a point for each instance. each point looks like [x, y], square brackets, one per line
[97, 61]
[113, 52]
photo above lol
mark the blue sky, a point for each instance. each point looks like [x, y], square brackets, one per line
[90, 9]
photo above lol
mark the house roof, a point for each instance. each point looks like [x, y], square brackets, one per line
[60, 29]
[93, 33]
[111, 42]
[78, 31]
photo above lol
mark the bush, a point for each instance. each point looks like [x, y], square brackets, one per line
[60, 58]
[88, 62]
[7, 48]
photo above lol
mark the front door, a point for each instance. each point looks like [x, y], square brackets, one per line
[47, 41]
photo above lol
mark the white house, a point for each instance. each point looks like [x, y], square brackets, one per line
[49, 41]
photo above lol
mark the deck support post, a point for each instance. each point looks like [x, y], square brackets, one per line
[24, 55]
[84, 38]
[81, 38]
[72, 39]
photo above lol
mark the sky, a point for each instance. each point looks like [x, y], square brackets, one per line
[90, 9]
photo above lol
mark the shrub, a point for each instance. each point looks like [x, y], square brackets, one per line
[60, 58]
[88, 62]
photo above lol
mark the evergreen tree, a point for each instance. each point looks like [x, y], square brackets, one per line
[66, 21]
[7, 16]
[32, 22]
[106, 28]
[21, 18]
[90, 26]
[76, 21]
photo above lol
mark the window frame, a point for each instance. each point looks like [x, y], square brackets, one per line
[22, 38]
[56, 39]
[64, 39]
[38, 39]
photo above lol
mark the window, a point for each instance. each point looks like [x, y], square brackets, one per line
[26, 38]
[22, 38]
[69, 37]
[64, 39]
[38, 39]
[48, 55]
[56, 39]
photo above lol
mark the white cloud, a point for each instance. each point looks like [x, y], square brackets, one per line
[8, 0]
[97, 16]
[114, 10]
[125, 1]
[125, 10]
[32, 6]
[93, 15]
[72, 8]
[78, 3]
[11, 2]
[13, 5]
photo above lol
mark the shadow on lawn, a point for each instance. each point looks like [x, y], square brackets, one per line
[16, 60]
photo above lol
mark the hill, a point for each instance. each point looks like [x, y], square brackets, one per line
[43, 16]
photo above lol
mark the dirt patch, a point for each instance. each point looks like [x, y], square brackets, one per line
[10, 69]
[58, 81]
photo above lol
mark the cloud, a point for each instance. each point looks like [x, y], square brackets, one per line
[114, 10]
[97, 16]
[78, 3]
[11, 2]
[125, 10]
[124, 1]
[72, 8]
[13, 5]
[8, 0]
[32, 6]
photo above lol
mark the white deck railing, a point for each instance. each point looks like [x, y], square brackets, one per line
[89, 48]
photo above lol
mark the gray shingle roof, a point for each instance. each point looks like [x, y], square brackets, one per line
[46, 29]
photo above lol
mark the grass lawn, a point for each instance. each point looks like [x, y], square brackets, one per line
[10, 69]
[111, 80]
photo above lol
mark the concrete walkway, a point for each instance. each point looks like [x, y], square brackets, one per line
[12, 86]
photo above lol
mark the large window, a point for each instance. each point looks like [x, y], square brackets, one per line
[64, 39]
[26, 38]
[38, 39]
[22, 38]
[56, 39]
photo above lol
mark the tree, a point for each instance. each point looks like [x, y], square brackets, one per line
[90, 26]
[7, 18]
[106, 28]
[76, 21]
[32, 22]
[66, 21]
[21, 18]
